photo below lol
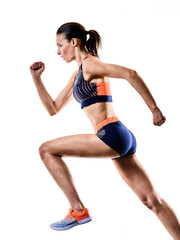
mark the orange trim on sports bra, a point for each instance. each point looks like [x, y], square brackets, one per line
[103, 88]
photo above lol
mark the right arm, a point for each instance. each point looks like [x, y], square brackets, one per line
[62, 99]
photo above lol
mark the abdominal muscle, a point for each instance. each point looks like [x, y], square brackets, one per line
[99, 111]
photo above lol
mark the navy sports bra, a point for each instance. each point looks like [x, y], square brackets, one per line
[88, 93]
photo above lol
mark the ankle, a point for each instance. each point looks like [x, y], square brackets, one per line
[78, 208]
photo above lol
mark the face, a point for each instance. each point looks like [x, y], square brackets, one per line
[66, 49]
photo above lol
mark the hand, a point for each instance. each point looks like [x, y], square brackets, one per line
[158, 118]
[36, 69]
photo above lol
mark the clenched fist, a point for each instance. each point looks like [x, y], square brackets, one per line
[158, 118]
[36, 69]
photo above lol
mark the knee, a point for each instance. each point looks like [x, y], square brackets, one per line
[44, 150]
[153, 202]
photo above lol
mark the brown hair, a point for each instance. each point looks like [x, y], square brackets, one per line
[76, 30]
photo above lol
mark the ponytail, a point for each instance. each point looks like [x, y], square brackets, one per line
[90, 40]
[93, 42]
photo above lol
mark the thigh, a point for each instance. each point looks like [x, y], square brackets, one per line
[81, 145]
[134, 175]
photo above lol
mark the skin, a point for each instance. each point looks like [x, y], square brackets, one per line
[89, 145]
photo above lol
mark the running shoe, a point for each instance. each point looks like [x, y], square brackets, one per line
[72, 219]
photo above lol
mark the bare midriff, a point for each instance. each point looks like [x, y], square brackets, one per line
[98, 112]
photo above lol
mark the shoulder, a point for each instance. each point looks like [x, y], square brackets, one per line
[91, 67]
[90, 63]
[95, 68]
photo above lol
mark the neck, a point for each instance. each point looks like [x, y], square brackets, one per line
[79, 56]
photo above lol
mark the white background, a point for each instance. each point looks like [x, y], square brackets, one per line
[139, 34]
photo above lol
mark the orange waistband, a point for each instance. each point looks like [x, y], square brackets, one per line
[105, 122]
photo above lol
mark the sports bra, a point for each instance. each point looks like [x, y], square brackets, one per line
[87, 93]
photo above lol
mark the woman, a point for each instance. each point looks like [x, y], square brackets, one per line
[90, 87]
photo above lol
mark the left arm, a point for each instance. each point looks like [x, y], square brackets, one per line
[95, 68]
[139, 85]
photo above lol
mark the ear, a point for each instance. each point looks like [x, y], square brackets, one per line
[74, 42]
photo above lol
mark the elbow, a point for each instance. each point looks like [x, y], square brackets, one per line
[132, 74]
[52, 113]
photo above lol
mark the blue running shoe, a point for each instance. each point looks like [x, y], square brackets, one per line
[72, 219]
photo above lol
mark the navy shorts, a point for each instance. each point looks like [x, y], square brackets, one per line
[118, 137]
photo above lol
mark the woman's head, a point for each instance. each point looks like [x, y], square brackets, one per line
[88, 40]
